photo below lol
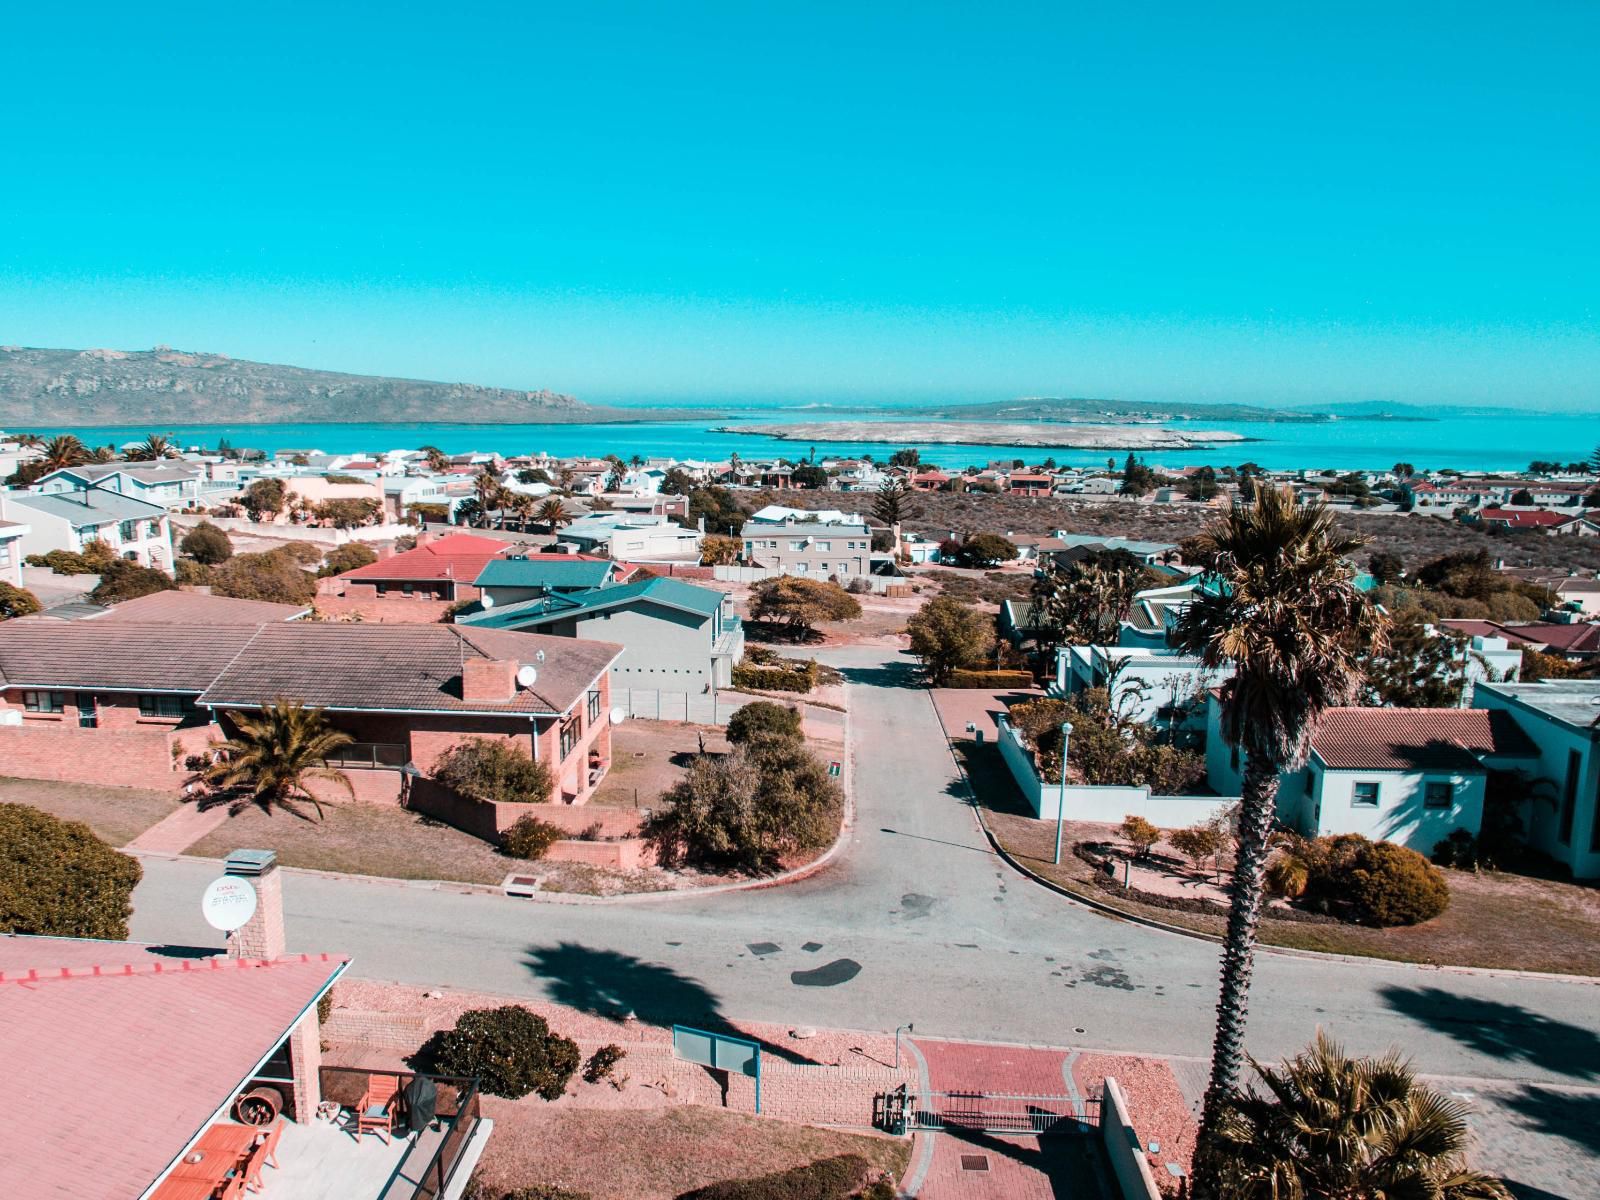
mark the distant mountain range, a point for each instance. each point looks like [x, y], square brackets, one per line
[52, 388]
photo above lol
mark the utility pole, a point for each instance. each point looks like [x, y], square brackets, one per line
[1061, 798]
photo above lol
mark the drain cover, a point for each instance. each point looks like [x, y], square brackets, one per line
[974, 1162]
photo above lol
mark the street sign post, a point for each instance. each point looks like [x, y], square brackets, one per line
[719, 1052]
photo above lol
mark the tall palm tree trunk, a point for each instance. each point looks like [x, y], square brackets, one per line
[1256, 809]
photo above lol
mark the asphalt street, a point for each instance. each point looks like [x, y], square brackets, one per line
[917, 922]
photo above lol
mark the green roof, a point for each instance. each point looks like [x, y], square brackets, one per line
[534, 571]
[670, 593]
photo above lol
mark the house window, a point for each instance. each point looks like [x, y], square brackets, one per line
[153, 529]
[594, 707]
[825, 547]
[128, 530]
[88, 711]
[1569, 796]
[570, 728]
[152, 705]
[5, 554]
[797, 545]
[1364, 795]
[44, 702]
[1439, 795]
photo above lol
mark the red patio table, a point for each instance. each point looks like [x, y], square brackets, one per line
[222, 1149]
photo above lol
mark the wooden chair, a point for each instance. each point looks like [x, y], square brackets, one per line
[233, 1186]
[378, 1107]
[269, 1143]
[250, 1167]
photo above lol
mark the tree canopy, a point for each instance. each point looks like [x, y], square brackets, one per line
[948, 635]
[801, 603]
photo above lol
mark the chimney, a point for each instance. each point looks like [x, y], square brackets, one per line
[490, 680]
[262, 935]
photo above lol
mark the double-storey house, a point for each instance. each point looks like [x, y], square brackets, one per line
[796, 546]
[69, 520]
[172, 485]
[11, 552]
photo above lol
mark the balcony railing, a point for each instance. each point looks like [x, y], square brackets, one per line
[438, 1148]
[379, 756]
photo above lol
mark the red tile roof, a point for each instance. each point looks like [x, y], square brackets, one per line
[1408, 739]
[1524, 518]
[458, 556]
[128, 1055]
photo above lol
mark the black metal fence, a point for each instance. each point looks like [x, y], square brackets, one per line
[903, 1111]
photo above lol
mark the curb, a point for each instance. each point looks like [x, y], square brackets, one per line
[794, 875]
[1261, 947]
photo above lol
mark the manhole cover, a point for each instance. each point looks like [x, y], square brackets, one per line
[974, 1162]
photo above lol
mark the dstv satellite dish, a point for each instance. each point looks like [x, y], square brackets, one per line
[228, 903]
[618, 715]
[527, 677]
[486, 600]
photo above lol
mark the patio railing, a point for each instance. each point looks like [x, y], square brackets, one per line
[456, 1117]
[371, 755]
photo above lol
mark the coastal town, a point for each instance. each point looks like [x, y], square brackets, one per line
[557, 786]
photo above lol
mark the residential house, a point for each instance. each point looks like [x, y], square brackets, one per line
[14, 455]
[820, 550]
[634, 537]
[134, 529]
[1556, 524]
[440, 567]
[1153, 686]
[123, 703]
[1029, 483]
[1407, 775]
[12, 534]
[675, 635]
[517, 577]
[1074, 545]
[1562, 719]
[172, 485]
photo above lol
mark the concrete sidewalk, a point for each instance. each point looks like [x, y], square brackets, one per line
[179, 830]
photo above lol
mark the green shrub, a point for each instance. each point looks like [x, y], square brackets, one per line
[347, 558]
[836, 1178]
[63, 562]
[1459, 850]
[1394, 885]
[530, 838]
[989, 680]
[123, 580]
[602, 1063]
[796, 678]
[58, 880]
[493, 769]
[17, 602]
[275, 575]
[207, 544]
[764, 719]
[187, 570]
[511, 1050]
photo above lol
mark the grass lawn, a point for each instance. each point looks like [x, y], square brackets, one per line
[655, 1154]
[1494, 920]
[117, 815]
[648, 757]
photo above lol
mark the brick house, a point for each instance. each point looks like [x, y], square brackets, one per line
[124, 703]
[438, 568]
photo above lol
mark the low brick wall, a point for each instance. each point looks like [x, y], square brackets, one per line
[137, 758]
[488, 819]
[628, 855]
[385, 611]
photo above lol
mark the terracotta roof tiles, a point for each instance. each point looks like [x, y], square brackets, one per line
[1409, 739]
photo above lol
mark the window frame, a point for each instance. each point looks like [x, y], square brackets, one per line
[44, 701]
[1356, 791]
[153, 704]
[594, 705]
[1431, 786]
[569, 734]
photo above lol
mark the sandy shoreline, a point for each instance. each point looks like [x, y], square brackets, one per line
[994, 433]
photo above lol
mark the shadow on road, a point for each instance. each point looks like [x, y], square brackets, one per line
[903, 674]
[1505, 1031]
[606, 983]
[1572, 1117]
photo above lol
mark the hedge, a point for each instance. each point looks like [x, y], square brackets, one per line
[989, 680]
[58, 880]
[776, 679]
[836, 1178]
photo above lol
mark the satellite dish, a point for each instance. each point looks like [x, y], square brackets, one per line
[527, 677]
[486, 600]
[618, 715]
[228, 903]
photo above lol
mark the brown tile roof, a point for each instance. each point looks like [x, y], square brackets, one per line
[412, 668]
[1407, 739]
[183, 608]
[117, 656]
[161, 1042]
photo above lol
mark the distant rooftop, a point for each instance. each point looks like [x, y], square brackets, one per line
[1574, 702]
[92, 506]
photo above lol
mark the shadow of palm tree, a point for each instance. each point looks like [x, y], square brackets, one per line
[606, 983]
[1572, 1116]
[887, 675]
[1504, 1031]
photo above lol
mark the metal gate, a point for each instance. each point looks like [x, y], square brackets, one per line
[903, 1111]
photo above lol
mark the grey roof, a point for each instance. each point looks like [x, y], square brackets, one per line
[93, 506]
[808, 529]
[165, 471]
[413, 668]
[1574, 702]
[671, 593]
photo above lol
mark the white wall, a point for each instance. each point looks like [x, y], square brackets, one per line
[1135, 1179]
[1400, 815]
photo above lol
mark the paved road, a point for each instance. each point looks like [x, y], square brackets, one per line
[919, 922]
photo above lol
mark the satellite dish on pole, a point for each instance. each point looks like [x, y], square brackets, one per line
[527, 677]
[228, 903]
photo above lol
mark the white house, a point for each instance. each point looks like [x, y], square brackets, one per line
[634, 537]
[134, 529]
[1562, 718]
[1407, 775]
[1154, 686]
[173, 485]
[11, 552]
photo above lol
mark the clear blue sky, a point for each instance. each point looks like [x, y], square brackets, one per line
[851, 201]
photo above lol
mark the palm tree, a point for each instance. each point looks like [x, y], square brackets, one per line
[490, 492]
[1346, 1129]
[271, 758]
[103, 454]
[468, 512]
[636, 461]
[523, 505]
[553, 514]
[436, 458]
[64, 450]
[153, 448]
[1283, 610]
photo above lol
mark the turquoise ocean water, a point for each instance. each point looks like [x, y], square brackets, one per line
[1477, 442]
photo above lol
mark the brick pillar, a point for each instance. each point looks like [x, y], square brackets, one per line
[305, 1055]
[262, 935]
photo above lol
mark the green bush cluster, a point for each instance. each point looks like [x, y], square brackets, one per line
[797, 677]
[989, 680]
[123, 580]
[836, 1178]
[602, 1063]
[530, 838]
[511, 1050]
[493, 769]
[207, 544]
[1372, 883]
[17, 602]
[763, 718]
[96, 556]
[58, 880]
